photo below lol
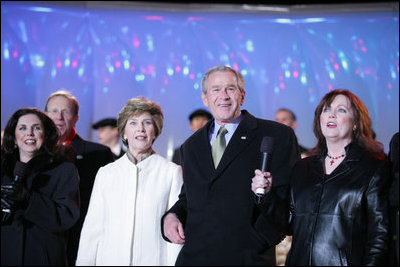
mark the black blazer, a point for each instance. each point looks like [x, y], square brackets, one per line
[176, 156]
[89, 157]
[223, 225]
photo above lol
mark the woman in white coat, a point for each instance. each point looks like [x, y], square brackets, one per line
[130, 195]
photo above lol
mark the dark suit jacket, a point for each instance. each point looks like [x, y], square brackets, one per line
[89, 158]
[223, 224]
[176, 157]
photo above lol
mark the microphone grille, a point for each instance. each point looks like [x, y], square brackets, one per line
[267, 145]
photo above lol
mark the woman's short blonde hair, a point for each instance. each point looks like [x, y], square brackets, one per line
[137, 106]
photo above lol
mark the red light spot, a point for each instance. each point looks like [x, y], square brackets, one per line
[195, 18]
[154, 17]
[235, 67]
[150, 69]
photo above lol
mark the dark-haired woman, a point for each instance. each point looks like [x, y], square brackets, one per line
[39, 192]
[338, 198]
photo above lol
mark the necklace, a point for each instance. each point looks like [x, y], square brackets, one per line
[334, 158]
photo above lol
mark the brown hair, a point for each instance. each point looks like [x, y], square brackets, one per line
[362, 134]
[136, 106]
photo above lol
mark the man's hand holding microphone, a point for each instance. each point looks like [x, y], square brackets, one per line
[262, 181]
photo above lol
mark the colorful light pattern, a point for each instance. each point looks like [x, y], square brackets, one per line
[106, 56]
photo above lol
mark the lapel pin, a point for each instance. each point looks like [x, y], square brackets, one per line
[243, 137]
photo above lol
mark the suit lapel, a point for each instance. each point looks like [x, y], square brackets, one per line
[79, 146]
[243, 135]
[199, 151]
[204, 147]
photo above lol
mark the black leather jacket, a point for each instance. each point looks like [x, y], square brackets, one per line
[342, 218]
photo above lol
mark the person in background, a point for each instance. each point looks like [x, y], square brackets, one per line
[130, 195]
[197, 119]
[107, 132]
[337, 203]
[217, 217]
[394, 199]
[39, 192]
[287, 117]
[2, 134]
[63, 108]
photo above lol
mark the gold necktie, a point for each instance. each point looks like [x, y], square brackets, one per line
[218, 146]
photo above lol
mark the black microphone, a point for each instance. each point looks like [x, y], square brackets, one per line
[266, 148]
[20, 171]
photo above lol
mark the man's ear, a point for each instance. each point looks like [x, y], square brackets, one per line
[243, 95]
[204, 98]
[294, 125]
[76, 119]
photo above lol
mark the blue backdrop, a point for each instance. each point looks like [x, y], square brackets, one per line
[106, 55]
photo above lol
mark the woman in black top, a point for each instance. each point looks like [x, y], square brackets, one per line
[39, 192]
[337, 206]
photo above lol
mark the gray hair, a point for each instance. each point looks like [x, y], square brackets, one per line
[221, 68]
[137, 106]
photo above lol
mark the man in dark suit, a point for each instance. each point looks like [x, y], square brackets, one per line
[63, 108]
[197, 119]
[107, 132]
[217, 217]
